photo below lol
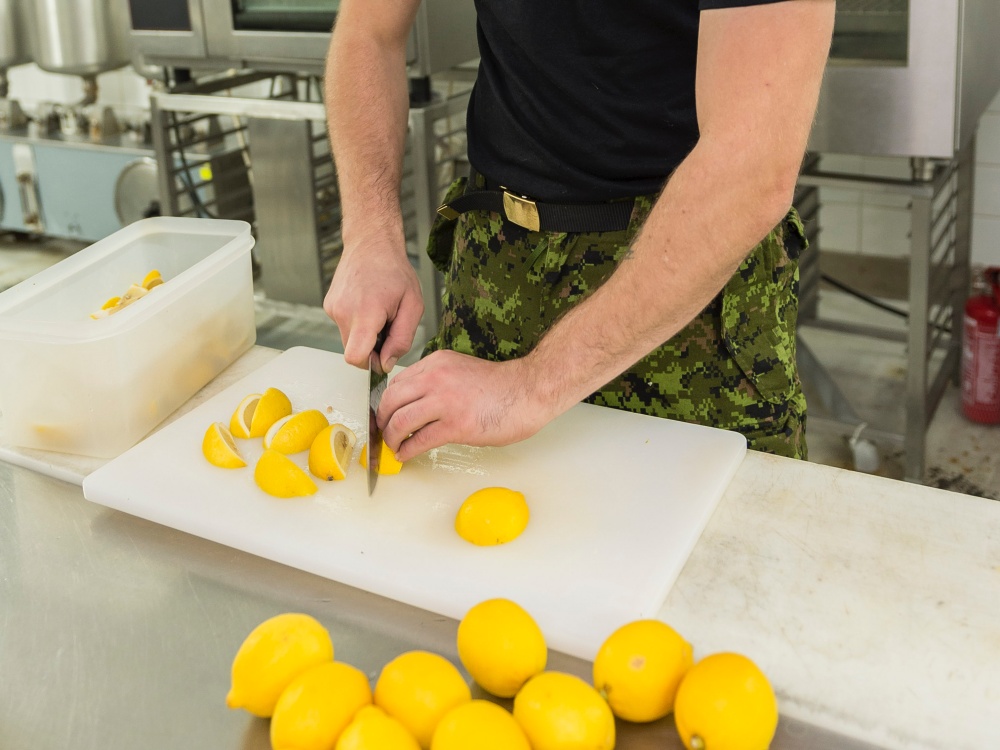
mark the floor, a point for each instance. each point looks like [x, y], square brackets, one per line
[960, 455]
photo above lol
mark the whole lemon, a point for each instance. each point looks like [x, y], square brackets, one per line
[317, 706]
[275, 653]
[639, 667]
[374, 729]
[479, 725]
[562, 712]
[501, 646]
[726, 703]
[418, 688]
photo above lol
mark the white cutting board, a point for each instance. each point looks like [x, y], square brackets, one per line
[617, 502]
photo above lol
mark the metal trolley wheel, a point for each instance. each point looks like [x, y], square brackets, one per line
[137, 191]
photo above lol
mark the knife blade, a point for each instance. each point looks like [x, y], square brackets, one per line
[377, 380]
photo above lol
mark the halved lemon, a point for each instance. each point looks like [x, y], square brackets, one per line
[258, 412]
[387, 463]
[278, 475]
[493, 515]
[295, 432]
[220, 449]
[330, 452]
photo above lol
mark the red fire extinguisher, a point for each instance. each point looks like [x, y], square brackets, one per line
[981, 352]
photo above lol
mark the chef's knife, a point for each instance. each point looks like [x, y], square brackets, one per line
[377, 379]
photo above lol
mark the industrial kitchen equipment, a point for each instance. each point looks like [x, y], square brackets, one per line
[287, 35]
[908, 79]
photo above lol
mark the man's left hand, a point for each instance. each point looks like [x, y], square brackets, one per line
[449, 397]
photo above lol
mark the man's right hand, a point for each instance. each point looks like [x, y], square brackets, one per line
[375, 284]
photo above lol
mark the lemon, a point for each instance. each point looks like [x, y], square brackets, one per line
[278, 475]
[374, 729]
[317, 706]
[501, 646]
[257, 412]
[296, 432]
[725, 702]
[220, 449]
[387, 462]
[480, 725]
[330, 452]
[152, 279]
[418, 688]
[113, 302]
[494, 515]
[638, 668]
[275, 653]
[562, 712]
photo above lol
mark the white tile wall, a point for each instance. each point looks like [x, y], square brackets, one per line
[986, 214]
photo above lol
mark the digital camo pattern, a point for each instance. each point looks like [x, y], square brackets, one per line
[732, 367]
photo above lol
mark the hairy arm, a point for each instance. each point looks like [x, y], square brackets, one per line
[367, 107]
[758, 79]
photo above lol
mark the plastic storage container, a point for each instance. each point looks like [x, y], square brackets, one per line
[74, 384]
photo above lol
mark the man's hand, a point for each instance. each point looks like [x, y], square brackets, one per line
[449, 397]
[375, 284]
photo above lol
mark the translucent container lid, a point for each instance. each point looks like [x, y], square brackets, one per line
[55, 305]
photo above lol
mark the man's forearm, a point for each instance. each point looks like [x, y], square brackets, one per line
[697, 234]
[367, 108]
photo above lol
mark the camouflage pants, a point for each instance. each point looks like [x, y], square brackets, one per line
[732, 367]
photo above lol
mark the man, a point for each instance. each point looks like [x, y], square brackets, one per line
[582, 111]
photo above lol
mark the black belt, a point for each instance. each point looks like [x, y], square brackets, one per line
[539, 216]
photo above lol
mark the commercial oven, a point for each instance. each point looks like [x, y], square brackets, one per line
[285, 35]
[908, 77]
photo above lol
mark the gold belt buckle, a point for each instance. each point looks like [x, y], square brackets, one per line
[522, 211]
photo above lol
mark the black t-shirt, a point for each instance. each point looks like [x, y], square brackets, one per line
[585, 100]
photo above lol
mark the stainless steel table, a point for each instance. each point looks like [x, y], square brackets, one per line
[118, 633]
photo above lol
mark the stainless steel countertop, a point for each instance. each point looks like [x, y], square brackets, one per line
[117, 633]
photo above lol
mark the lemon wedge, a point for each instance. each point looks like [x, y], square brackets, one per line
[330, 452]
[493, 515]
[220, 449]
[257, 412]
[279, 476]
[296, 432]
[387, 464]
[153, 278]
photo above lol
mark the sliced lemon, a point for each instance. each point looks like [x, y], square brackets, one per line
[152, 279]
[278, 475]
[220, 449]
[493, 515]
[296, 432]
[330, 452]
[387, 464]
[273, 405]
[113, 302]
[239, 423]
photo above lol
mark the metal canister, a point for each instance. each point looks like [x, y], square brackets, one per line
[13, 50]
[79, 37]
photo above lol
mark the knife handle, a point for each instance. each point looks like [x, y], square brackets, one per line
[381, 337]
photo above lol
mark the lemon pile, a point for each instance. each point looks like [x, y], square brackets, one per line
[135, 291]
[284, 432]
[645, 670]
